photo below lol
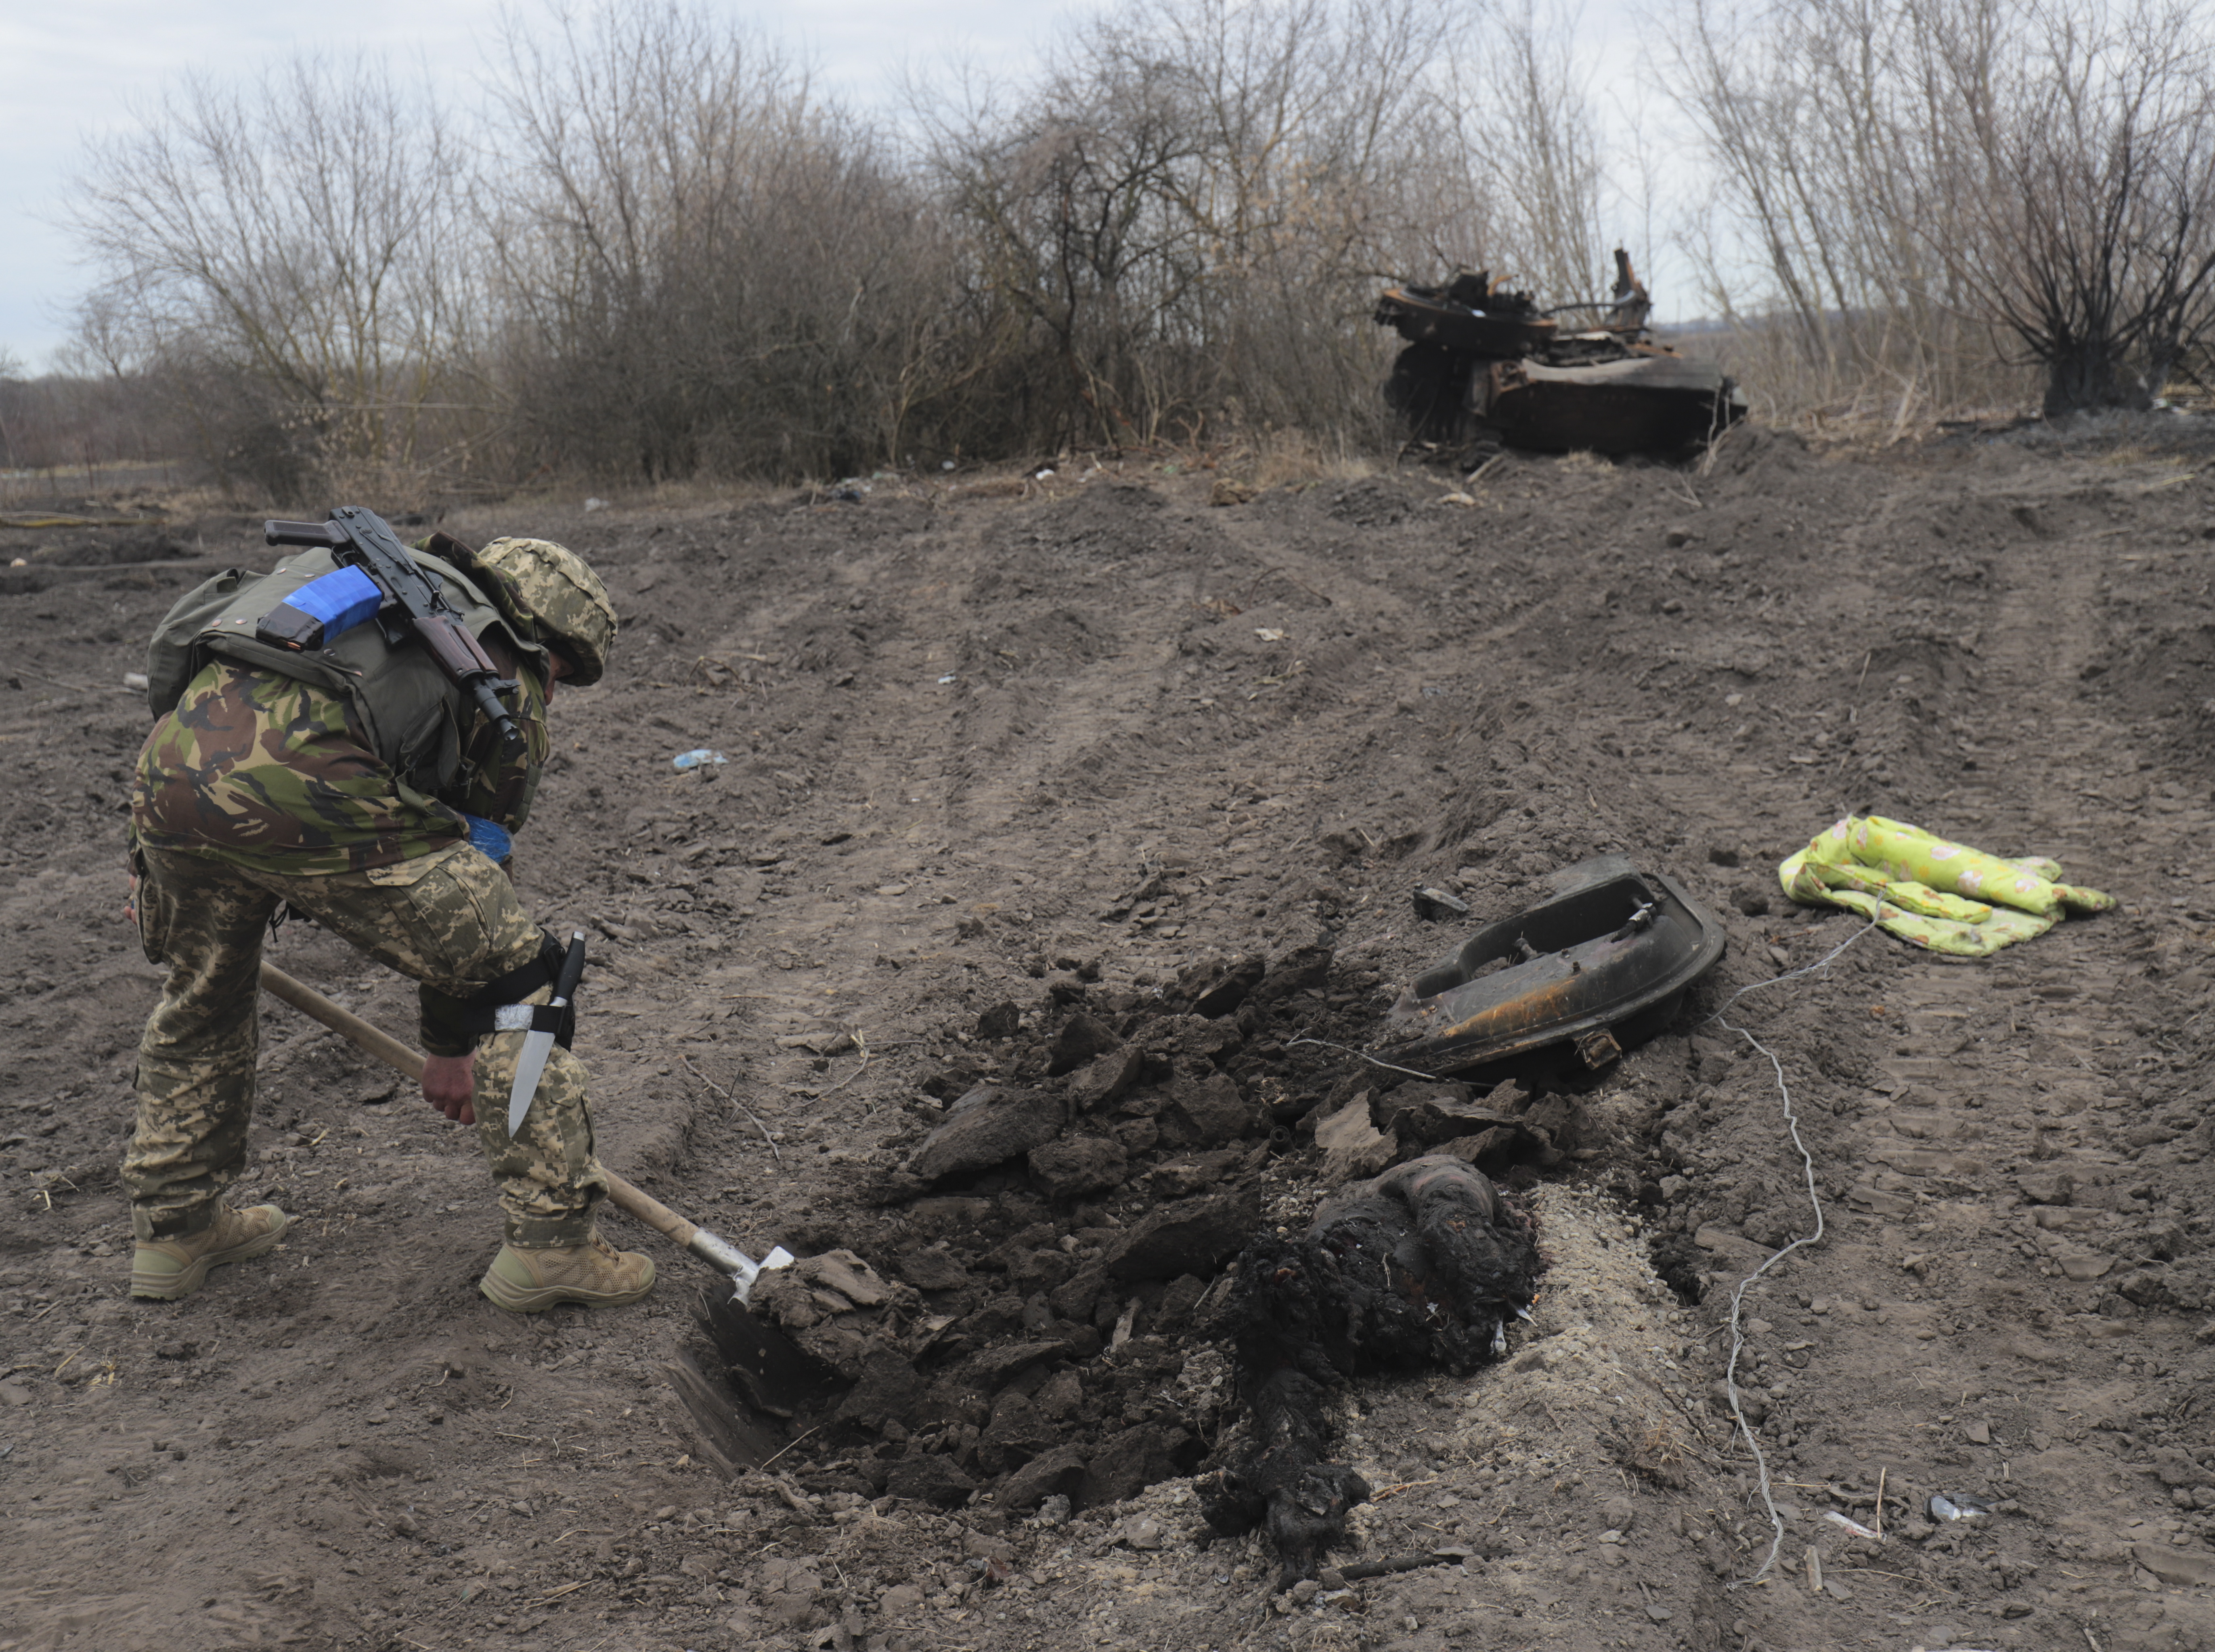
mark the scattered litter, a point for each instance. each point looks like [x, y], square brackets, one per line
[596, 503]
[698, 756]
[1958, 1506]
[1942, 895]
[1852, 1526]
[949, 678]
[847, 495]
[1268, 634]
[946, 464]
[135, 681]
[1432, 903]
[1044, 476]
[1455, 499]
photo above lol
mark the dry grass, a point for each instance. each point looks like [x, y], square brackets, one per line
[1289, 456]
[1584, 463]
[1862, 400]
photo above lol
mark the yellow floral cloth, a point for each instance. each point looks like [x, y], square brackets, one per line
[1942, 895]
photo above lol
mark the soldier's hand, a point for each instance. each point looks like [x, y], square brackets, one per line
[449, 1082]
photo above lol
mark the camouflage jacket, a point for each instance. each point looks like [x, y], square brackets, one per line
[269, 772]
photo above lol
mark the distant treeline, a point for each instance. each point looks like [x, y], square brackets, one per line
[653, 251]
[67, 423]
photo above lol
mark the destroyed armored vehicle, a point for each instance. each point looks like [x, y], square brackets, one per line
[1486, 363]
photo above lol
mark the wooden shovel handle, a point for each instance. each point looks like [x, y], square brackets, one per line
[390, 1050]
[314, 1005]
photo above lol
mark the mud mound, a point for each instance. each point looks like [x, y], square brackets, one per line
[1069, 1216]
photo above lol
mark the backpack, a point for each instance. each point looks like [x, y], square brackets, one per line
[409, 714]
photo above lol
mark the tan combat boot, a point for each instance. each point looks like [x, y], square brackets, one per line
[594, 1274]
[163, 1270]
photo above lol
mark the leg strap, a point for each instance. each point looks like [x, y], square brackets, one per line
[494, 1008]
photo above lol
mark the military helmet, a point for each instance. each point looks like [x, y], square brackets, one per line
[563, 595]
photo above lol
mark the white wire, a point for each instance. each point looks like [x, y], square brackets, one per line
[1738, 1296]
[1325, 1043]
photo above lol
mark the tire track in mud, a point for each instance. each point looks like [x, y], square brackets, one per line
[1954, 1331]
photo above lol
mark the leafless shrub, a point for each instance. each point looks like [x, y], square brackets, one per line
[1181, 225]
[663, 255]
[1810, 134]
[705, 266]
[2090, 185]
[1933, 193]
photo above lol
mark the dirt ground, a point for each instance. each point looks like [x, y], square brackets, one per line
[1060, 744]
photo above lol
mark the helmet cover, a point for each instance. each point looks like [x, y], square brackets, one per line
[559, 591]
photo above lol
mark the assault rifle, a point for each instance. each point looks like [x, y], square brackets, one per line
[377, 574]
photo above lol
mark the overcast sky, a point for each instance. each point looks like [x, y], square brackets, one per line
[79, 66]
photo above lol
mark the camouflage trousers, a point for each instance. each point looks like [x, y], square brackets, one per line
[449, 920]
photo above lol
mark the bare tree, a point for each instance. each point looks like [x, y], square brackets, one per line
[705, 265]
[290, 254]
[2089, 133]
[1191, 208]
[1825, 154]
[662, 252]
[1528, 115]
[1938, 191]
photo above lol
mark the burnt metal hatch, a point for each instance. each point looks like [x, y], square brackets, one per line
[1613, 944]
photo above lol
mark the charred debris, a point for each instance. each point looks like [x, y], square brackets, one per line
[1485, 366]
[1422, 1267]
[1080, 1281]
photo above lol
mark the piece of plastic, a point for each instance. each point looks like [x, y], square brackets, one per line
[489, 837]
[321, 610]
[1959, 1506]
[1431, 903]
[698, 756]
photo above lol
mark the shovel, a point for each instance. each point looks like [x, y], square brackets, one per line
[711, 1248]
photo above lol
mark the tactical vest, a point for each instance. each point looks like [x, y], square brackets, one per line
[409, 715]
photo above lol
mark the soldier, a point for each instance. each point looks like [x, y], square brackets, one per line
[358, 787]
